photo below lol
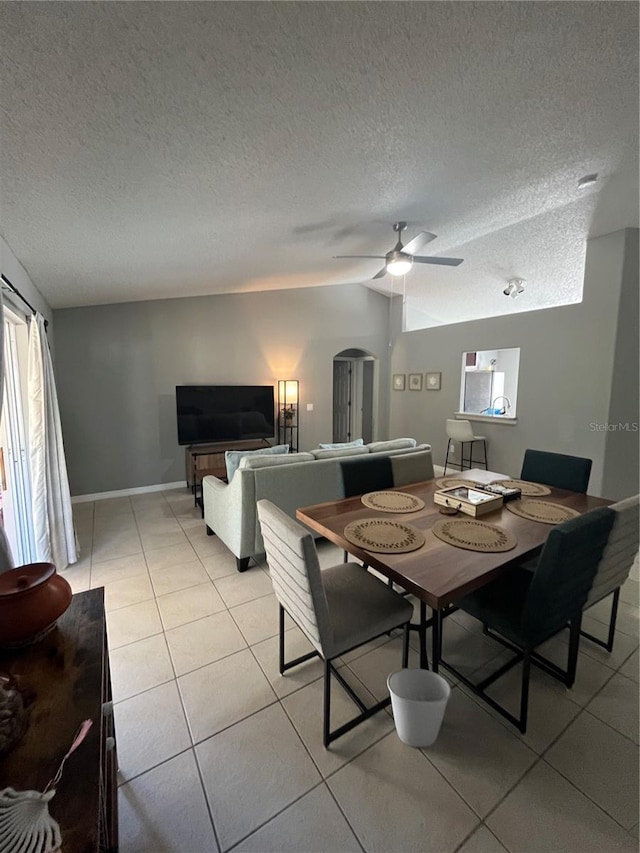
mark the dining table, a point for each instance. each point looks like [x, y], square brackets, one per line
[438, 574]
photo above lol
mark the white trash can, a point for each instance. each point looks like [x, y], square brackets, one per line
[418, 698]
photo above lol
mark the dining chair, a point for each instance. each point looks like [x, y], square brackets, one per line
[365, 474]
[614, 567]
[556, 469]
[409, 468]
[522, 609]
[337, 609]
[461, 432]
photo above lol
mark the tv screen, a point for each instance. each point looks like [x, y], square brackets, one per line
[208, 413]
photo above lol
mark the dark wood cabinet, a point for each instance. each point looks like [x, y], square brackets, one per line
[65, 680]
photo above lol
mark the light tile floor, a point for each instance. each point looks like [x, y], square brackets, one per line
[219, 752]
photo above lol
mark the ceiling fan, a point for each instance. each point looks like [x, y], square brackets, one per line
[400, 259]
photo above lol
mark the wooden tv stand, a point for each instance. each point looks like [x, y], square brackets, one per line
[210, 458]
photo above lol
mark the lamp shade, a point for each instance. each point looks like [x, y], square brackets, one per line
[287, 392]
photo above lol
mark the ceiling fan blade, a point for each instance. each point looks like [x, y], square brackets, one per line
[377, 257]
[380, 274]
[418, 242]
[445, 262]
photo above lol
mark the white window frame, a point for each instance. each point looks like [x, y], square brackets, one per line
[505, 361]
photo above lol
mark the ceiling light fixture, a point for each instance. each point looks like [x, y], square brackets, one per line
[587, 181]
[514, 287]
[398, 263]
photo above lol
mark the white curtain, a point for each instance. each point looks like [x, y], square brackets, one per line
[52, 515]
[6, 557]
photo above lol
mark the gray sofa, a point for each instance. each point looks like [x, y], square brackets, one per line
[289, 481]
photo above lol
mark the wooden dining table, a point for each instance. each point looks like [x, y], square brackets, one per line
[439, 574]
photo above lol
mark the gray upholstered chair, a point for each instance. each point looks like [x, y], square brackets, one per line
[614, 567]
[338, 608]
[412, 468]
[461, 431]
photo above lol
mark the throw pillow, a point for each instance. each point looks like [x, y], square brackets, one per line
[358, 442]
[232, 457]
[342, 451]
[393, 444]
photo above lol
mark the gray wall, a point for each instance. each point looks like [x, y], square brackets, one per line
[566, 372]
[117, 367]
[622, 446]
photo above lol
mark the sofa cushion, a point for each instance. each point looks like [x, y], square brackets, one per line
[345, 451]
[267, 460]
[232, 458]
[358, 442]
[394, 444]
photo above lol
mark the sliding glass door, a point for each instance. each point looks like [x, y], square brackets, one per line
[14, 455]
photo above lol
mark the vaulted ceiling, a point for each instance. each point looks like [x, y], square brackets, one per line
[162, 150]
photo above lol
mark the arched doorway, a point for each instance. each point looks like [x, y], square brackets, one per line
[355, 398]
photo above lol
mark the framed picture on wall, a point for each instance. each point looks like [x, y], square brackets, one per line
[415, 382]
[398, 381]
[432, 381]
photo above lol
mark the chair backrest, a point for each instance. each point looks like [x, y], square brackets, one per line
[565, 572]
[459, 430]
[620, 551]
[556, 469]
[295, 573]
[366, 475]
[412, 468]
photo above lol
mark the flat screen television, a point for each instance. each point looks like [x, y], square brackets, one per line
[209, 413]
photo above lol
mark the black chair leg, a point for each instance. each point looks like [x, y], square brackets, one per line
[608, 643]
[486, 464]
[462, 459]
[574, 647]
[613, 620]
[524, 693]
[405, 646]
[446, 458]
[284, 665]
[327, 705]
[281, 663]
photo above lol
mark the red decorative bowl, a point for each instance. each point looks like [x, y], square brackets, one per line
[32, 598]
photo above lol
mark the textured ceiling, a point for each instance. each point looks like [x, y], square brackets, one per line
[155, 150]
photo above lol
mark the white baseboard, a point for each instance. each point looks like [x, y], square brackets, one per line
[123, 493]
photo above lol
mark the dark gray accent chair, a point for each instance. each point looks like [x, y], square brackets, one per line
[362, 475]
[522, 609]
[556, 469]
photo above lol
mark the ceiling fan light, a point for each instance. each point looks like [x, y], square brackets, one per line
[398, 266]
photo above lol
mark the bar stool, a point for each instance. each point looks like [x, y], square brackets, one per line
[462, 432]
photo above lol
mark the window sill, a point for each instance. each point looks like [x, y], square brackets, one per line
[486, 419]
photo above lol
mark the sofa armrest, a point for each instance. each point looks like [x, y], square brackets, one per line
[230, 511]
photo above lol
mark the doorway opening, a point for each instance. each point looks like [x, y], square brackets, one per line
[355, 397]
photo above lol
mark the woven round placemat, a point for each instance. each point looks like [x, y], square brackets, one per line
[544, 511]
[527, 488]
[452, 482]
[384, 536]
[474, 535]
[392, 501]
